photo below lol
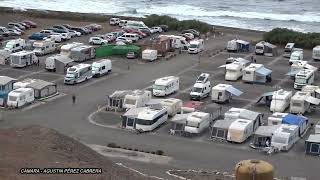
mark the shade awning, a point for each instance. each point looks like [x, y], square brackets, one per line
[222, 66]
[264, 95]
[264, 71]
[317, 90]
[313, 100]
[234, 91]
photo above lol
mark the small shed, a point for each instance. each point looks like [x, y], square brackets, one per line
[6, 85]
[43, 89]
[219, 130]
[162, 44]
[262, 136]
[312, 145]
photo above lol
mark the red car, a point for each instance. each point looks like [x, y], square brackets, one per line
[135, 31]
[30, 23]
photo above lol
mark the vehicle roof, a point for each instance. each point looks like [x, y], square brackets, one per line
[22, 53]
[221, 87]
[253, 66]
[149, 113]
[300, 95]
[281, 94]
[223, 124]
[289, 45]
[78, 66]
[166, 80]
[315, 138]
[101, 61]
[79, 48]
[170, 101]
[71, 45]
[234, 66]
[5, 80]
[240, 124]
[266, 131]
[305, 72]
[197, 116]
[286, 129]
[20, 90]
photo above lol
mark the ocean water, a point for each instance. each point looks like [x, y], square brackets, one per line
[264, 15]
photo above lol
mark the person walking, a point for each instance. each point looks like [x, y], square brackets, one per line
[254, 60]
[73, 99]
[38, 62]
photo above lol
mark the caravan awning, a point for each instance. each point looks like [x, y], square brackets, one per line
[317, 90]
[310, 67]
[264, 95]
[264, 71]
[313, 100]
[234, 91]
[292, 73]
[222, 66]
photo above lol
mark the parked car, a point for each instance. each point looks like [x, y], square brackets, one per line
[18, 29]
[110, 37]
[188, 36]
[11, 25]
[165, 28]
[132, 55]
[4, 31]
[114, 21]
[156, 29]
[140, 33]
[13, 32]
[81, 30]
[96, 26]
[78, 34]
[31, 23]
[66, 35]
[27, 26]
[123, 39]
[68, 26]
[118, 33]
[89, 31]
[145, 31]
[60, 27]
[57, 37]
[194, 32]
[38, 36]
[96, 40]
[47, 31]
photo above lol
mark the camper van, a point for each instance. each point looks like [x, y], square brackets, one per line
[197, 122]
[66, 49]
[20, 97]
[23, 59]
[150, 54]
[149, 119]
[280, 100]
[82, 53]
[23, 84]
[300, 102]
[137, 98]
[265, 48]
[296, 56]
[223, 93]
[196, 46]
[44, 47]
[78, 73]
[236, 45]
[316, 53]
[15, 45]
[201, 88]
[302, 78]
[256, 73]
[123, 23]
[101, 67]
[240, 130]
[288, 50]
[165, 86]
[285, 137]
[173, 106]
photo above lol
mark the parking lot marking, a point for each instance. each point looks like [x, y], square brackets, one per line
[98, 80]
[274, 60]
[30, 74]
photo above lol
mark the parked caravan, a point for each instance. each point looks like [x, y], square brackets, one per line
[197, 122]
[303, 77]
[116, 99]
[300, 102]
[15, 45]
[312, 145]
[101, 67]
[196, 46]
[317, 128]
[114, 21]
[173, 106]
[165, 86]
[224, 92]
[256, 73]
[240, 113]
[44, 47]
[285, 118]
[129, 118]
[234, 70]
[296, 56]
[285, 137]
[240, 130]
[316, 53]
[138, 98]
[66, 49]
[23, 84]
[78, 73]
[178, 42]
[201, 88]
[299, 66]
[237, 45]
[82, 53]
[288, 50]
[58, 63]
[150, 54]
[220, 129]
[43, 89]
[6, 85]
[314, 90]
[280, 100]
[20, 97]
[23, 59]
[150, 119]
[262, 136]
[265, 48]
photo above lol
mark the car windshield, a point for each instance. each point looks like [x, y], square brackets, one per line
[159, 87]
[196, 89]
[259, 47]
[295, 57]
[193, 45]
[300, 80]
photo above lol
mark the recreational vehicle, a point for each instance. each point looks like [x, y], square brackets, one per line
[130, 116]
[58, 63]
[197, 122]
[173, 106]
[23, 59]
[150, 54]
[114, 21]
[15, 45]
[78, 73]
[314, 90]
[23, 84]
[303, 77]
[300, 102]
[66, 49]
[236, 45]
[201, 88]
[220, 129]
[240, 130]
[196, 46]
[285, 137]
[82, 53]
[44, 47]
[280, 100]
[149, 119]
[296, 56]
[265, 48]
[165, 86]
[101, 67]
[178, 42]
[224, 92]
[285, 118]
[316, 53]
[288, 50]
[312, 145]
[137, 98]
[20, 97]
[300, 65]
[256, 73]
[234, 69]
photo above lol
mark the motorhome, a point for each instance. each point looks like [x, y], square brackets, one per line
[173, 106]
[233, 70]
[101, 67]
[114, 21]
[150, 119]
[138, 98]
[82, 53]
[23, 59]
[78, 73]
[201, 88]
[197, 122]
[316, 53]
[256, 73]
[236, 45]
[280, 100]
[240, 130]
[15, 45]
[314, 90]
[224, 92]
[265, 48]
[23, 84]
[165, 86]
[300, 65]
[44, 47]
[58, 63]
[300, 102]
[66, 49]
[285, 137]
[303, 77]
[196, 46]
[178, 42]
[296, 56]
[20, 97]
[288, 50]
[150, 54]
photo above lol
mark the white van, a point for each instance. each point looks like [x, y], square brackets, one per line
[197, 122]
[101, 67]
[23, 59]
[196, 46]
[131, 36]
[201, 88]
[316, 53]
[20, 97]
[15, 45]
[149, 54]
[114, 21]
[296, 56]
[123, 23]
[165, 86]
[44, 47]
[288, 50]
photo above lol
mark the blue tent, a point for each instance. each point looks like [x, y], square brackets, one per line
[294, 120]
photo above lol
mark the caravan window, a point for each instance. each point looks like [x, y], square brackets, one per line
[144, 122]
[259, 47]
[192, 124]
[221, 133]
[22, 98]
[130, 101]
[103, 67]
[315, 148]
[12, 98]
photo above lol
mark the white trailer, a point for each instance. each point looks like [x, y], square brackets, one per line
[173, 106]
[23, 59]
[300, 102]
[165, 86]
[236, 45]
[20, 97]
[196, 46]
[256, 73]
[78, 73]
[149, 119]
[138, 98]
[276, 118]
[288, 50]
[66, 49]
[101, 67]
[233, 70]
[150, 54]
[178, 42]
[197, 122]
[240, 130]
[314, 90]
[265, 48]
[15, 45]
[303, 77]
[23, 84]
[201, 88]
[224, 92]
[44, 47]
[285, 137]
[82, 53]
[296, 56]
[316, 53]
[280, 100]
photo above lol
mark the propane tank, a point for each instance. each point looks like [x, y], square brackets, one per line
[254, 170]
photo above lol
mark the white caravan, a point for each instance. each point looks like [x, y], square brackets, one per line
[240, 130]
[234, 70]
[280, 100]
[303, 77]
[82, 53]
[136, 99]
[256, 73]
[114, 21]
[23, 84]
[238, 45]
[197, 122]
[314, 90]
[135, 24]
[288, 50]
[44, 47]
[51, 61]
[276, 118]
[300, 102]
[173, 106]
[165, 86]
[265, 48]
[149, 119]
[150, 54]
[201, 88]
[300, 65]
[15, 45]
[78, 73]
[296, 56]
[224, 92]
[316, 53]
[285, 137]
[66, 49]
[101, 67]
[196, 46]
[20, 97]
[178, 42]
[23, 59]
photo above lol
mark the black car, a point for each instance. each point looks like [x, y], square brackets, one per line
[68, 26]
[165, 28]
[192, 31]
[81, 30]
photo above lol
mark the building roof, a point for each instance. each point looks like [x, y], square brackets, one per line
[40, 84]
[314, 138]
[5, 80]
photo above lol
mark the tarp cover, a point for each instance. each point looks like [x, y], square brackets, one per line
[264, 71]
[234, 91]
[313, 100]
[294, 119]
